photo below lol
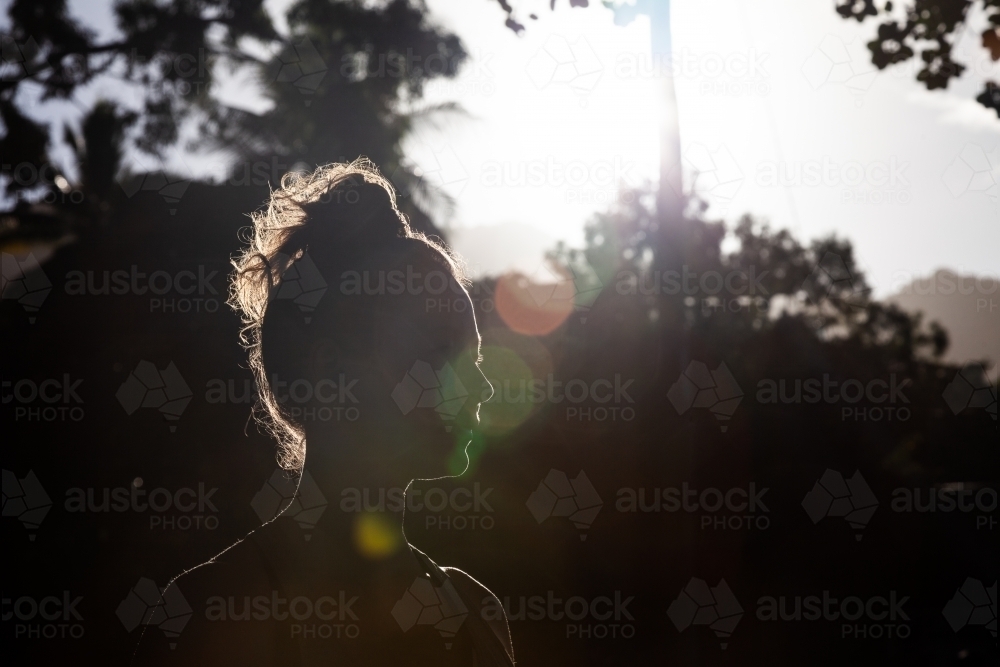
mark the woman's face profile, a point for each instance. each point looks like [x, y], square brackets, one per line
[415, 384]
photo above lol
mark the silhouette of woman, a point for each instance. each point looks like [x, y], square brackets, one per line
[333, 291]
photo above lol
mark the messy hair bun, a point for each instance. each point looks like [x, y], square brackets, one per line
[338, 211]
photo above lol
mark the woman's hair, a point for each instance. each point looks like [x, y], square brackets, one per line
[340, 212]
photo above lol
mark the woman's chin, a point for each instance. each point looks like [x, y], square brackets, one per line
[438, 455]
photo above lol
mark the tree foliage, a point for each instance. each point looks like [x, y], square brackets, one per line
[345, 81]
[928, 30]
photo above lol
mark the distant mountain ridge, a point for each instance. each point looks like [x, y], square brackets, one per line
[967, 306]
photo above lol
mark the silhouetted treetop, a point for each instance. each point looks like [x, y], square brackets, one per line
[928, 29]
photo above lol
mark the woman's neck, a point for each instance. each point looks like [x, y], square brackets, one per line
[365, 500]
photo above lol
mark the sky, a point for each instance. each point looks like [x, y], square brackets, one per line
[781, 116]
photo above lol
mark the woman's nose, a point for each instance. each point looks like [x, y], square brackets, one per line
[480, 391]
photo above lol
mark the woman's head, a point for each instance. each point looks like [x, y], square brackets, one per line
[368, 320]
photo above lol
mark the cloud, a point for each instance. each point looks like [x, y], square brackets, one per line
[964, 112]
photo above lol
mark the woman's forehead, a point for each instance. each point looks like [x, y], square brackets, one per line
[433, 319]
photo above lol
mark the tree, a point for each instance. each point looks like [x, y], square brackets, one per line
[928, 28]
[346, 82]
[162, 45]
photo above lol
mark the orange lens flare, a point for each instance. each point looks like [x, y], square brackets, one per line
[534, 309]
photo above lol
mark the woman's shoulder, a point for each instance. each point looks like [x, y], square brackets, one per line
[484, 604]
[212, 597]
